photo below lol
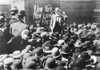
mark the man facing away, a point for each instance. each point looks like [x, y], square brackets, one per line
[17, 27]
[14, 15]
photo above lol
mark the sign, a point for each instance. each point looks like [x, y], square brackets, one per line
[42, 13]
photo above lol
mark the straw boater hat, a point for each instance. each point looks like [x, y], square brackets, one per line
[61, 63]
[16, 54]
[60, 68]
[79, 64]
[61, 42]
[85, 55]
[30, 65]
[55, 53]
[47, 47]
[8, 61]
[22, 12]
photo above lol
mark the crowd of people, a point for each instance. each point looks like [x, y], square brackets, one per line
[30, 47]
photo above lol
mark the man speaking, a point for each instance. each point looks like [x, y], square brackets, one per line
[57, 20]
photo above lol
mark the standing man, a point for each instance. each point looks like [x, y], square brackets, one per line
[17, 27]
[57, 21]
[14, 15]
[14, 18]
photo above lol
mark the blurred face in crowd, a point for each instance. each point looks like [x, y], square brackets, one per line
[57, 11]
[21, 14]
[31, 27]
[89, 25]
[24, 34]
[38, 25]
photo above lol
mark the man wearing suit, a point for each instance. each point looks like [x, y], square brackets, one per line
[57, 21]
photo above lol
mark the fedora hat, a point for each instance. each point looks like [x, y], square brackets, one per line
[8, 61]
[65, 49]
[16, 54]
[30, 65]
[85, 55]
[79, 64]
[39, 52]
[61, 63]
[47, 49]
[60, 68]
[50, 63]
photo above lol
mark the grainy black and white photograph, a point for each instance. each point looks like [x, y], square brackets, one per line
[49, 34]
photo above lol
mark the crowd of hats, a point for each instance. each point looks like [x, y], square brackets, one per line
[76, 49]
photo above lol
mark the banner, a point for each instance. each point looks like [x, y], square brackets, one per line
[42, 14]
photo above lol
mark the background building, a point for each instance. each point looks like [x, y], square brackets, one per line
[79, 11]
[5, 9]
[5, 6]
[20, 4]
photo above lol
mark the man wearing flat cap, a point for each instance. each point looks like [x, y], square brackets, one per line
[14, 15]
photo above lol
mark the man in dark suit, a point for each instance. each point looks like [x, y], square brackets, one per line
[2, 36]
[3, 44]
[18, 42]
